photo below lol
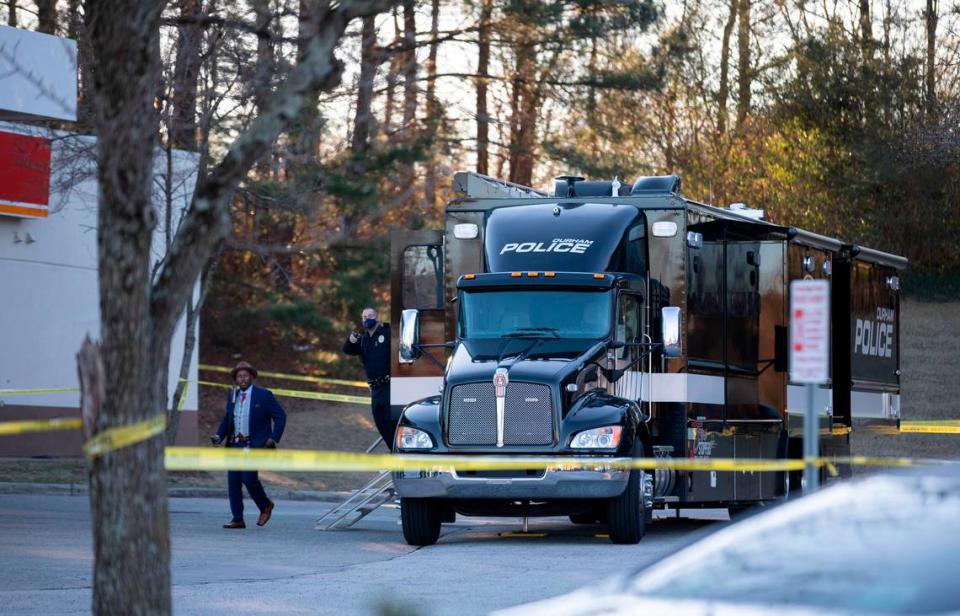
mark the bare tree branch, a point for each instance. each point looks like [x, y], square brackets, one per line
[207, 222]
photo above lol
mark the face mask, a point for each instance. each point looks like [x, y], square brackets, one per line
[369, 323]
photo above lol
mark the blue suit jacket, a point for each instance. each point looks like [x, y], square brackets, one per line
[264, 411]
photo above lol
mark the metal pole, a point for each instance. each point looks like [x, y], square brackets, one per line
[811, 444]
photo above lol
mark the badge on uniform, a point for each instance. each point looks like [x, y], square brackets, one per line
[380, 339]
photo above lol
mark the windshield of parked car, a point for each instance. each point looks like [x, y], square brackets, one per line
[487, 314]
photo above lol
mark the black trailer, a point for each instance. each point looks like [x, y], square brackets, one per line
[621, 321]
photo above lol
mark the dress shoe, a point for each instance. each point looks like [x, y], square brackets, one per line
[236, 524]
[265, 514]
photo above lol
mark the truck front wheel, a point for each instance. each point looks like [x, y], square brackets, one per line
[628, 519]
[421, 519]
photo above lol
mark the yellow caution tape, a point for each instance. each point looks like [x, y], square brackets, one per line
[204, 458]
[208, 459]
[104, 442]
[290, 393]
[40, 425]
[290, 377]
[124, 436]
[23, 392]
[293, 393]
[931, 427]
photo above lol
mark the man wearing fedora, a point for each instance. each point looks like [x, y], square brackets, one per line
[254, 419]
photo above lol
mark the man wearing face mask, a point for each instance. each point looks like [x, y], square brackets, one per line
[373, 347]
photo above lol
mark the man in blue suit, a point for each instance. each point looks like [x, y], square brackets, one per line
[255, 419]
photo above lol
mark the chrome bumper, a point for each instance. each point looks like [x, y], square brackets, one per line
[553, 484]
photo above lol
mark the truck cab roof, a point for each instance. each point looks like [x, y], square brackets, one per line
[552, 280]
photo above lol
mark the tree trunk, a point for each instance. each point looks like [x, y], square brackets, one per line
[185, 72]
[305, 138]
[408, 132]
[128, 486]
[483, 74]
[47, 16]
[931, 16]
[409, 67]
[73, 19]
[12, 13]
[363, 122]
[744, 76]
[263, 69]
[393, 77]
[433, 110]
[724, 92]
[189, 345]
[866, 31]
[524, 116]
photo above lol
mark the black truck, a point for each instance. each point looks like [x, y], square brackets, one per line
[620, 321]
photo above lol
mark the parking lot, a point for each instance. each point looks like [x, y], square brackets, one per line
[287, 567]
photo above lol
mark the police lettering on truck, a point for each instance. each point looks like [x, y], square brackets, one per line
[875, 337]
[575, 246]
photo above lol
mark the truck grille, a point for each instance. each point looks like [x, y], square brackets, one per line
[473, 415]
[528, 415]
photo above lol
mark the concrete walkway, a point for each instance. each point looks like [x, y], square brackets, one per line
[287, 567]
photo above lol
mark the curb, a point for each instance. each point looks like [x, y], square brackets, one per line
[82, 489]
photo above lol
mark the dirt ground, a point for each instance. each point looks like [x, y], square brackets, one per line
[931, 390]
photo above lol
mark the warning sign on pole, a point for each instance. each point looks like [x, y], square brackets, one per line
[809, 331]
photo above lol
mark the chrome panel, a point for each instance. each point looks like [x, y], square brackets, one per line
[527, 415]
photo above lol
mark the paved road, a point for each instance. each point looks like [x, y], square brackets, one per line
[287, 567]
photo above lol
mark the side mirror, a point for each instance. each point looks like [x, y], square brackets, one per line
[670, 316]
[409, 336]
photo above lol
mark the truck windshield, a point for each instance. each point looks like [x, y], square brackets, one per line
[549, 314]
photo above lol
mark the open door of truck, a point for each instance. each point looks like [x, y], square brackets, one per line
[417, 282]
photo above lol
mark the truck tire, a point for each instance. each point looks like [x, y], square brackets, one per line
[628, 520]
[421, 519]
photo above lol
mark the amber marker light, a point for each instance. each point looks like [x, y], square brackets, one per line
[598, 276]
[469, 276]
[515, 275]
[550, 274]
[532, 274]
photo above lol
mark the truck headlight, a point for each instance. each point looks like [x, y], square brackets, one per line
[411, 438]
[607, 437]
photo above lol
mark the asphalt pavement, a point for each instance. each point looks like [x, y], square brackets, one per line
[288, 567]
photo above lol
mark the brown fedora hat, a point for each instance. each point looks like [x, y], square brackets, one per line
[243, 366]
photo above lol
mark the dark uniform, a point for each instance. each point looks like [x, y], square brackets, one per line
[374, 352]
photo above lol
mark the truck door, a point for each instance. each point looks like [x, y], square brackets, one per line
[417, 281]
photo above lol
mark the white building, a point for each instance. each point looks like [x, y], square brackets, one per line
[48, 243]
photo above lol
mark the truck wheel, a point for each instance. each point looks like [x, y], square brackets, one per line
[628, 520]
[421, 521]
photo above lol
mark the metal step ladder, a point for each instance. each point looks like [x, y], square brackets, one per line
[361, 503]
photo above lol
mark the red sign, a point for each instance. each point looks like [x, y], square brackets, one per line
[24, 175]
[809, 331]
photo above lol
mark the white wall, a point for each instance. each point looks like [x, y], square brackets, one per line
[38, 75]
[48, 276]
